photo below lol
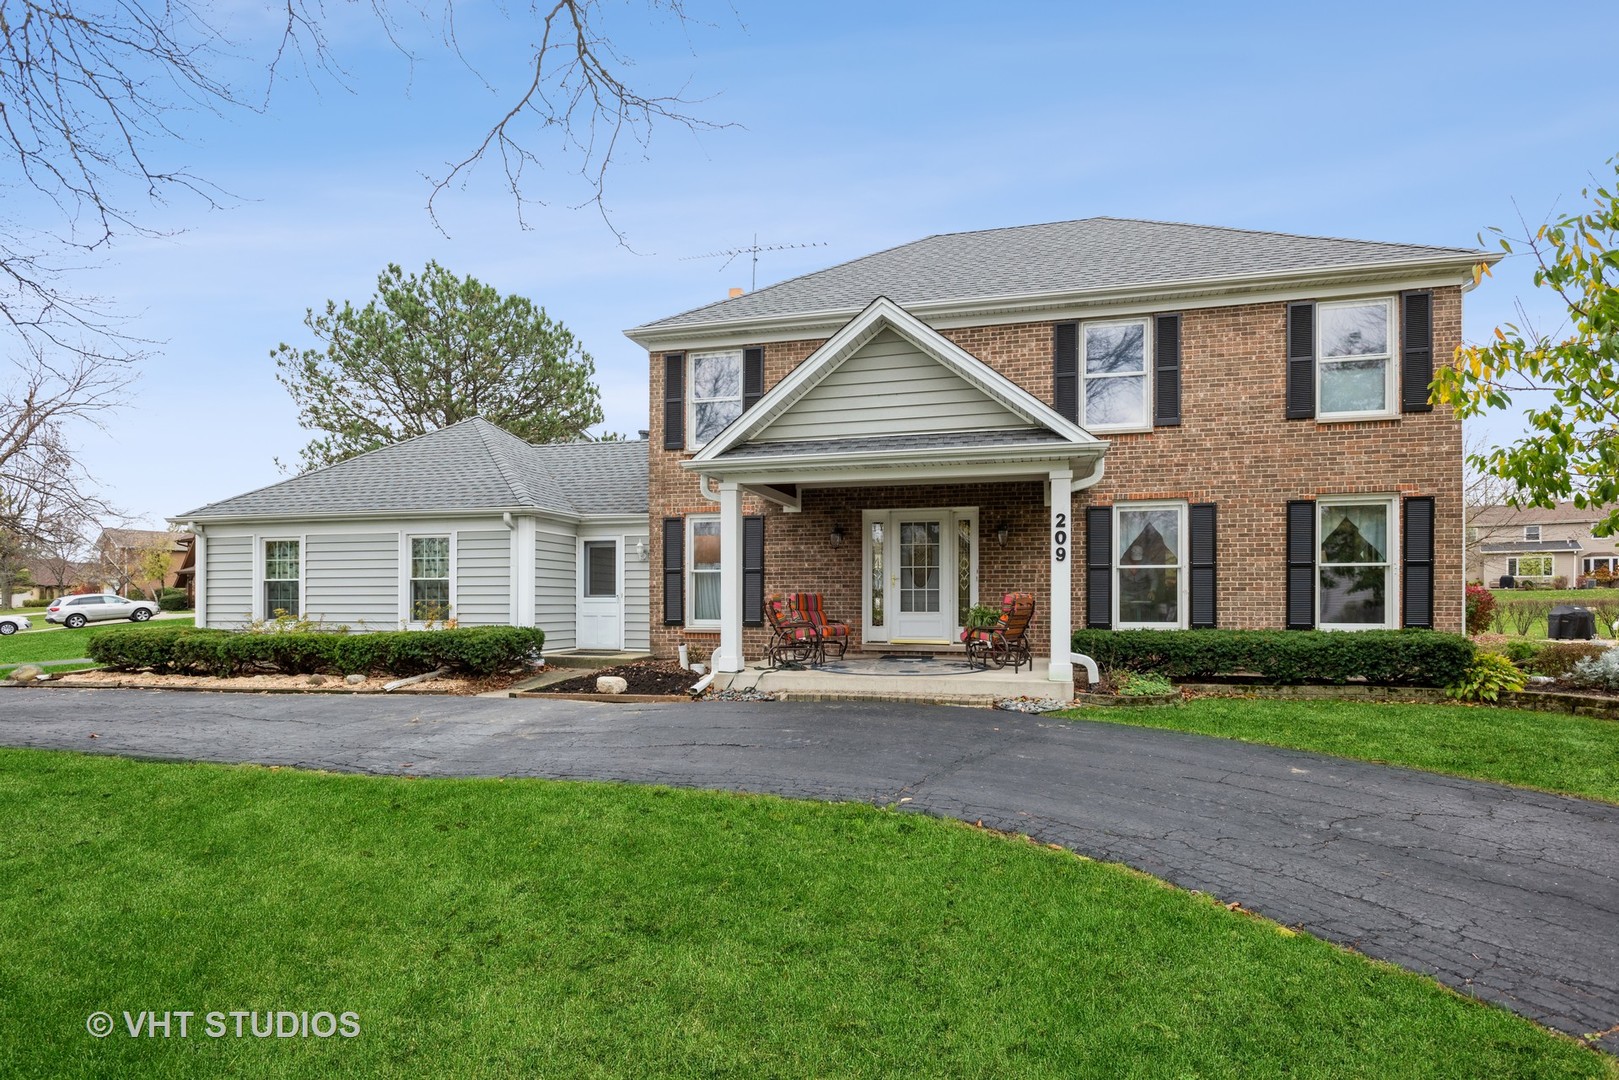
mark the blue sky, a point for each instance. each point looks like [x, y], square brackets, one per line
[858, 126]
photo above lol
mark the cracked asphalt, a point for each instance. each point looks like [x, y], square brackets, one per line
[1506, 894]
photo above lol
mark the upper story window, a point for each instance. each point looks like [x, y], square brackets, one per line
[1113, 364]
[1354, 359]
[714, 396]
[1531, 532]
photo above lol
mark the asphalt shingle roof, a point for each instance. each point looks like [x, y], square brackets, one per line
[1563, 513]
[1059, 257]
[472, 465]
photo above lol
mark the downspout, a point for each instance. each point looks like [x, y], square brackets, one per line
[1092, 672]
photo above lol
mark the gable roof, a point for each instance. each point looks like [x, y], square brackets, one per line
[879, 315]
[1059, 257]
[469, 466]
[1563, 513]
[142, 538]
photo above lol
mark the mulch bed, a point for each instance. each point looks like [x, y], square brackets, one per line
[646, 677]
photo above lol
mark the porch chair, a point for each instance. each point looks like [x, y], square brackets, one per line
[794, 640]
[1008, 639]
[828, 632]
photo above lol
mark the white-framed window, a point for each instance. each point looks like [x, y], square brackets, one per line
[1531, 532]
[1355, 542]
[429, 578]
[1149, 550]
[1115, 376]
[1530, 566]
[1594, 563]
[703, 572]
[1355, 359]
[713, 394]
[283, 566]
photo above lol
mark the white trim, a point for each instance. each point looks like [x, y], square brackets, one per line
[405, 537]
[1514, 561]
[1392, 600]
[1391, 386]
[259, 540]
[199, 577]
[690, 389]
[1527, 538]
[525, 573]
[1183, 575]
[1145, 375]
[1060, 611]
[687, 574]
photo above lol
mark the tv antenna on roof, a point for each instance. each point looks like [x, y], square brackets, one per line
[730, 255]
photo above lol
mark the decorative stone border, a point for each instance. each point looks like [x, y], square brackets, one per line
[1127, 701]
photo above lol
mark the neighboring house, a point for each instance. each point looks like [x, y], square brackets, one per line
[467, 523]
[1541, 543]
[50, 577]
[122, 559]
[1145, 424]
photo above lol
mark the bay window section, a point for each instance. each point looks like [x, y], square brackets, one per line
[1353, 565]
[1354, 361]
[429, 578]
[1113, 362]
[281, 573]
[703, 571]
[715, 395]
[1149, 553]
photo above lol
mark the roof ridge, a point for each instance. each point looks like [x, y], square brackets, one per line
[513, 481]
[1272, 232]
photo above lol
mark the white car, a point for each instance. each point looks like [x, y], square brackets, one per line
[10, 624]
[75, 611]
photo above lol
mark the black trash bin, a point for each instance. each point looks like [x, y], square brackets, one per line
[1569, 623]
[1508, 581]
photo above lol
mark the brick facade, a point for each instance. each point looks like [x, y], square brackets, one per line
[1233, 448]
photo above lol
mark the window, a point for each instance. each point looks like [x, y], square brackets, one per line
[1354, 538]
[1601, 564]
[716, 394]
[1113, 363]
[1531, 532]
[1147, 562]
[601, 568]
[1354, 359]
[429, 578]
[281, 577]
[703, 570]
[1535, 566]
[879, 582]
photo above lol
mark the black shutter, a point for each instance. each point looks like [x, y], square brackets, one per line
[674, 571]
[1416, 544]
[753, 382]
[1166, 411]
[674, 401]
[1099, 568]
[1301, 360]
[1065, 370]
[1203, 533]
[753, 570]
[1416, 351]
[1301, 565]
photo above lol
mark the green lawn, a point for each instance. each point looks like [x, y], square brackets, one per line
[1543, 600]
[531, 928]
[1574, 755]
[65, 644]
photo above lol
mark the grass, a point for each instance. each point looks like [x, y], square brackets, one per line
[489, 928]
[65, 644]
[1547, 599]
[1572, 755]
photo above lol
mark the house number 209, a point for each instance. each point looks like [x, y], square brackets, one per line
[1059, 536]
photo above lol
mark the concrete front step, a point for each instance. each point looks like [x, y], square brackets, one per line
[573, 658]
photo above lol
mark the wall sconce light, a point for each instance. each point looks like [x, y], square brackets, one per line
[640, 551]
[837, 536]
[1002, 531]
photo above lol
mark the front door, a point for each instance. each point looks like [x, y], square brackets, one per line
[919, 594]
[598, 595]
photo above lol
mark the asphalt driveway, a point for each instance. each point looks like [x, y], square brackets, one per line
[1509, 895]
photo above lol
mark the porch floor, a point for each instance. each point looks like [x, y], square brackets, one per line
[914, 677]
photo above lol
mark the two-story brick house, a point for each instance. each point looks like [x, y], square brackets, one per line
[1145, 424]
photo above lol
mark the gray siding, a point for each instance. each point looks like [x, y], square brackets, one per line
[228, 580]
[353, 578]
[556, 588]
[889, 387]
[483, 578]
[637, 599]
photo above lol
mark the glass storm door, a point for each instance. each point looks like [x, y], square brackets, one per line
[921, 592]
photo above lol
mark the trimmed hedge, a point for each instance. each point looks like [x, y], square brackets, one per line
[172, 600]
[1381, 657]
[481, 650]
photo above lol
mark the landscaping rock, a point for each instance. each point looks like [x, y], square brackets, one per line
[316, 680]
[26, 673]
[611, 684]
[354, 680]
[1032, 705]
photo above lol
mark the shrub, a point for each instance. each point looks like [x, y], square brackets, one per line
[1383, 657]
[481, 650]
[1560, 581]
[1142, 684]
[173, 600]
[41, 604]
[1480, 609]
[1485, 678]
[1522, 651]
[1597, 672]
[1557, 658]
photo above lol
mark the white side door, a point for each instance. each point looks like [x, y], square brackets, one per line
[600, 589]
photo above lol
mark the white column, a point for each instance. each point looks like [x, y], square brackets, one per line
[1061, 538]
[199, 577]
[524, 576]
[728, 657]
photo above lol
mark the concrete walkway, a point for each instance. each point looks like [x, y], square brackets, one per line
[1506, 894]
